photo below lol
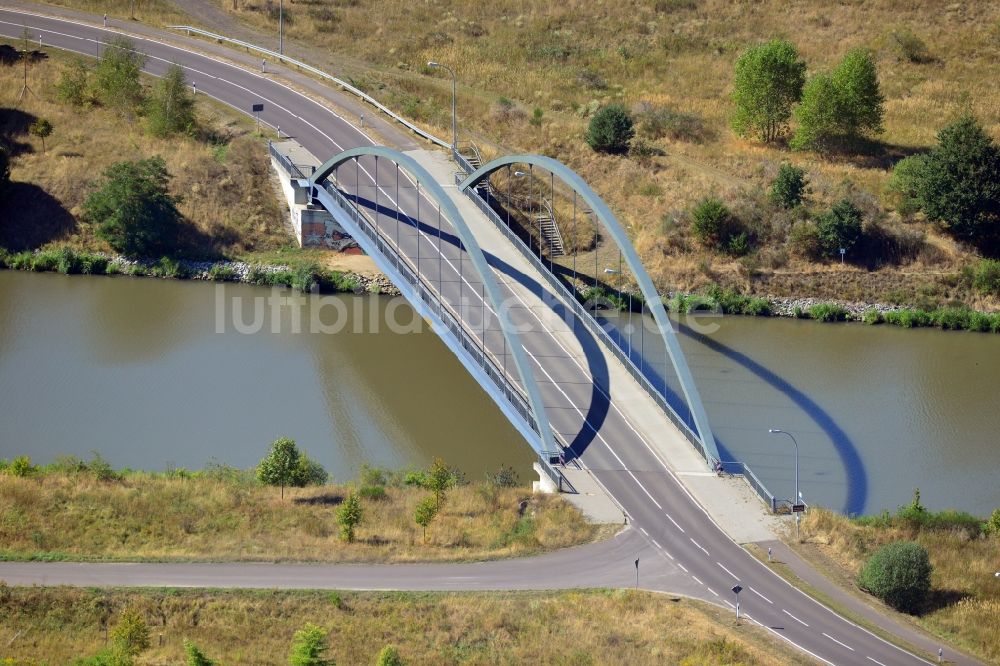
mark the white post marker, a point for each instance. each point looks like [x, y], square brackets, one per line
[194, 87]
[263, 64]
[105, 20]
[768, 553]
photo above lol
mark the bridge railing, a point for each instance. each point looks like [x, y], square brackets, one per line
[344, 85]
[446, 315]
[286, 162]
[600, 332]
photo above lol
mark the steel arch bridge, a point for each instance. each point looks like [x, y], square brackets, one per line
[526, 411]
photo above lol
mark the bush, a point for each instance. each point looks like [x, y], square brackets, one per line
[133, 210]
[904, 183]
[789, 186]
[21, 466]
[960, 186]
[373, 476]
[169, 268]
[349, 516]
[389, 656]
[767, 81]
[222, 273]
[67, 261]
[711, 222]
[373, 493]
[73, 86]
[992, 525]
[610, 130]
[131, 635]
[657, 122]
[986, 277]
[309, 646]
[194, 656]
[899, 574]
[171, 106]
[117, 76]
[908, 318]
[872, 317]
[911, 47]
[827, 312]
[505, 477]
[840, 227]
[44, 262]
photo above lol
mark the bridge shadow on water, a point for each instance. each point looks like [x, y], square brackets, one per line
[599, 407]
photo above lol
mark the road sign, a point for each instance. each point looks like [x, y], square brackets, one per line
[737, 589]
[798, 508]
[257, 108]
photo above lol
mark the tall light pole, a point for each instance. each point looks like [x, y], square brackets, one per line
[454, 103]
[775, 431]
[281, 27]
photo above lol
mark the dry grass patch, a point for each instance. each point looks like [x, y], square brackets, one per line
[222, 517]
[582, 627]
[965, 598]
[221, 171]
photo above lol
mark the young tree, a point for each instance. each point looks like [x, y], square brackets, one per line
[899, 574]
[281, 464]
[131, 635]
[839, 227]
[116, 76]
[309, 646]
[308, 472]
[818, 115]
[767, 81]
[72, 87]
[41, 128]
[712, 222]
[196, 657]
[349, 516]
[610, 130]
[133, 210]
[425, 513]
[959, 186]
[861, 103]
[171, 106]
[789, 186]
[439, 480]
[389, 656]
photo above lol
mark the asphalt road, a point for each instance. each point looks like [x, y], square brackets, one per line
[691, 554]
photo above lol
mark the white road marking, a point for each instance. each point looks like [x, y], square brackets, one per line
[696, 579]
[656, 544]
[794, 618]
[667, 553]
[682, 567]
[673, 521]
[729, 603]
[838, 642]
[712, 591]
[643, 530]
[699, 545]
[761, 595]
[728, 571]
[791, 642]
[875, 660]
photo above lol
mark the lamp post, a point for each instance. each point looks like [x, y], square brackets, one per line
[454, 98]
[281, 27]
[798, 495]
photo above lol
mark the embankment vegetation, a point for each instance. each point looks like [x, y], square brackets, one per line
[963, 602]
[260, 627]
[130, 165]
[74, 509]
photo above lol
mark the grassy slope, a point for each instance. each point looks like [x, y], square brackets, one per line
[965, 604]
[222, 173]
[679, 53]
[585, 627]
[144, 516]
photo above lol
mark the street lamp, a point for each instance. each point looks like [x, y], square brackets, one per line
[454, 93]
[798, 495]
[281, 27]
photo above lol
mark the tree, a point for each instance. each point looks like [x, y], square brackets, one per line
[425, 513]
[196, 657]
[349, 516]
[767, 81]
[131, 635]
[308, 472]
[899, 574]
[839, 227]
[789, 186]
[439, 479]
[712, 222]
[840, 108]
[116, 76]
[860, 98]
[389, 656]
[280, 466]
[610, 130]
[41, 128]
[905, 181]
[308, 647]
[960, 184]
[133, 210]
[171, 106]
[72, 87]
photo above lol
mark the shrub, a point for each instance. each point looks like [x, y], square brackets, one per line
[827, 312]
[842, 106]
[133, 210]
[222, 273]
[21, 261]
[767, 81]
[373, 493]
[992, 525]
[67, 261]
[45, 261]
[911, 47]
[309, 647]
[789, 186]
[899, 574]
[872, 317]
[349, 516]
[986, 277]
[711, 222]
[308, 472]
[840, 227]
[372, 476]
[657, 122]
[21, 466]
[610, 130]
[131, 635]
[504, 477]
[171, 107]
[194, 656]
[389, 656]
[960, 186]
[904, 183]
[73, 85]
[908, 318]
[170, 268]
[117, 76]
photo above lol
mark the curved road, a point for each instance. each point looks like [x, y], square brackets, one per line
[677, 542]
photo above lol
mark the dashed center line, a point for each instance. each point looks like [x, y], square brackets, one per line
[838, 642]
[761, 595]
[699, 545]
[794, 618]
[723, 566]
[875, 660]
[696, 579]
[712, 591]
[674, 522]
[682, 567]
